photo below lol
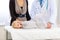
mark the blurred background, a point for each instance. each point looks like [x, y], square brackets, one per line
[5, 17]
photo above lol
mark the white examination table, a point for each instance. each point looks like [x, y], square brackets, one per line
[33, 34]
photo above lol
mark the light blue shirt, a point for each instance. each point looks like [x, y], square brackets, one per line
[46, 13]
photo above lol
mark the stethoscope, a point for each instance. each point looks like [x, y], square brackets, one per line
[41, 3]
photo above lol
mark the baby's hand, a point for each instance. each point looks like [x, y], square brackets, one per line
[48, 25]
[17, 24]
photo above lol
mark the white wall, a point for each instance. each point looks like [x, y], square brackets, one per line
[4, 11]
[58, 18]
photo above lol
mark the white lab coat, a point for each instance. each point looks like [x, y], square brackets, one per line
[43, 15]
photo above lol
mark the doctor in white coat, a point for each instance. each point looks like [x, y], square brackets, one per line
[44, 12]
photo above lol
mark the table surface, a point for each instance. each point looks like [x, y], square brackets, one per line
[36, 33]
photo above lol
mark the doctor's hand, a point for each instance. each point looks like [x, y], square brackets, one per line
[17, 24]
[49, 25]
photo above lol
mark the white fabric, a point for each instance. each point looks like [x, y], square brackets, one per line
[33, 34]
[34, 24]
[46, 15]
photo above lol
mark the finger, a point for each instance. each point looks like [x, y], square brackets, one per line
[48, 25]
[13, 23]
[18, 24]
